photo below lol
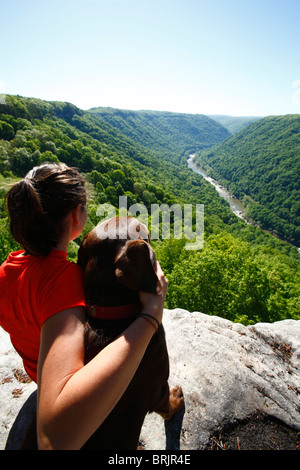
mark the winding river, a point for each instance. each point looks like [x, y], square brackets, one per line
[235, 205]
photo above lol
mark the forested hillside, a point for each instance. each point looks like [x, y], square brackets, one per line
[171, 133]
[261, 166]
[241, 273]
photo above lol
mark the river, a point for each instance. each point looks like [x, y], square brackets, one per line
[235, 205]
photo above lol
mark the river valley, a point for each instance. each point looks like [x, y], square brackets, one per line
[235, 205]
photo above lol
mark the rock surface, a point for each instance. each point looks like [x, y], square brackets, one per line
[14, 392]
[227, 371]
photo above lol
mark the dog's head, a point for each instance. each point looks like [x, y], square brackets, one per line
[118, 261]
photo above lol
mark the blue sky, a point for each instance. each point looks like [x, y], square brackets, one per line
[237, 57]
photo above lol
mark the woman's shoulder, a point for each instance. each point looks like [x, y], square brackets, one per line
[57, 262]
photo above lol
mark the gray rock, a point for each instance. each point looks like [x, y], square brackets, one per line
[227, 372]
[15, 412]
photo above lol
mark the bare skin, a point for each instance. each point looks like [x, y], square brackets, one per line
[70, 392]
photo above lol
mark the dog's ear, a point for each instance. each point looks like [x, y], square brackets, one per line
[135, 267]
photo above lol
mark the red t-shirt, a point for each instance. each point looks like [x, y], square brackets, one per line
[33, 288]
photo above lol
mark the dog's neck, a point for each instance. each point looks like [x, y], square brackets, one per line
[113, 313]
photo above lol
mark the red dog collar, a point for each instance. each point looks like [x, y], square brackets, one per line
[113, 313]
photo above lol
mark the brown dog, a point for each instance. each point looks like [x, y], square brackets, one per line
[118, 262]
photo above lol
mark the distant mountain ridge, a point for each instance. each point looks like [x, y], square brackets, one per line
[234, 123]
[170, 132]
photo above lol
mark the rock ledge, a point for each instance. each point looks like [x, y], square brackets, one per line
[228, 373]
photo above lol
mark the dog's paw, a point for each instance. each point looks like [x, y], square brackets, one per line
[176, 399]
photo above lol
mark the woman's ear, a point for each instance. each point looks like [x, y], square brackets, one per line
[76, 214]
[78, 219]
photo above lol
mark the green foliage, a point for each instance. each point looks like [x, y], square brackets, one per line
[6, 131]
[229, 278]
[7, 244]
[242, 273]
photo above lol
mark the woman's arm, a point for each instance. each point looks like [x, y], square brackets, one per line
[74, 399]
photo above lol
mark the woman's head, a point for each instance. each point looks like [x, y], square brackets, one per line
[39, 203]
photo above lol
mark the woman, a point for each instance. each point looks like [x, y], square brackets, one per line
[42, 307]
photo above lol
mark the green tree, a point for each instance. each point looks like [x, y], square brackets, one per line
[47, 156]
[6, 131]
[21, 161]
[111, 194]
